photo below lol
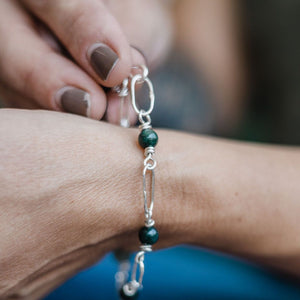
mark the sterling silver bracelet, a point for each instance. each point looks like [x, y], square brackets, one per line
[148, 234]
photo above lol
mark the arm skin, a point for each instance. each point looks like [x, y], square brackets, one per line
[71, 191]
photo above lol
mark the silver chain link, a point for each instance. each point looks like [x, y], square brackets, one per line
[141, 77]
[145, 120]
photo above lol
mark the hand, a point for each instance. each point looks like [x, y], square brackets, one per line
[55, 54]
[65, 197]
[71, 192]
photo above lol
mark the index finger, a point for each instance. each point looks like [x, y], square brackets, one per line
[91, 34]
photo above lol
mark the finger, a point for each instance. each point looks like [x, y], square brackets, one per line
[49, 38]
[91, 35]
[11, 99]
[120, 111]
[155, 28]
[33, 69]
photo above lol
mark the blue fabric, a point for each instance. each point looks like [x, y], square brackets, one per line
[184, 273]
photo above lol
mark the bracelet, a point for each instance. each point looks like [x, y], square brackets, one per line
[148, 234]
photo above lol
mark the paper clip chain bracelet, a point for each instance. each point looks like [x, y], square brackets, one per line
[148, 234]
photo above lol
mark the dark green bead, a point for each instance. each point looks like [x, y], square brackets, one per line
[148, 138]
[148, 235]
[128, 297]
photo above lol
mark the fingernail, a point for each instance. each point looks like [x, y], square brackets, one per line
[103, 59]
[75, 101]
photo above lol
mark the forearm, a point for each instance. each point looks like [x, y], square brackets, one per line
[71, 190]
[62, 204]
[240, 198]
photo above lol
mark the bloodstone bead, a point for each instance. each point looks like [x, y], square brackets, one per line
[123, 296]
[148, 138]
[148, 235]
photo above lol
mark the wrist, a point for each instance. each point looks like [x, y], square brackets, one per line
[180, 206]
[178, 211]
[171, 216]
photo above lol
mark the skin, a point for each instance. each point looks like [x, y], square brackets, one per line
[70, 193]
[45, 44]
[60, 210]
[34, 68]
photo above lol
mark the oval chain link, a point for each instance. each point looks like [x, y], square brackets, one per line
[138, 78]
[138, 261]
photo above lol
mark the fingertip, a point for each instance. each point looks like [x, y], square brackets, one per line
[91, 35]
[138, 56]
[98, 105]
[81, 102]
[110, 66]
[119, 111]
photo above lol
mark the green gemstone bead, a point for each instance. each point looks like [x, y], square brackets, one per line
[148, 138]
[148, 235]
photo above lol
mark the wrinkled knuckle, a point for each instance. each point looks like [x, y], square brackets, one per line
[75, 23]
[39, 5]
[46, 5]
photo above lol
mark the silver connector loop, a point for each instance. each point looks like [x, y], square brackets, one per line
[146, 248]
[144, 120]
[130, 288]
[122, 89]
[144, 73]
[149, 222]
[134, 80]
[149, 150]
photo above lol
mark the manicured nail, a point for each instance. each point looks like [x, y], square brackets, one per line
[75, 101]
[103, 59]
